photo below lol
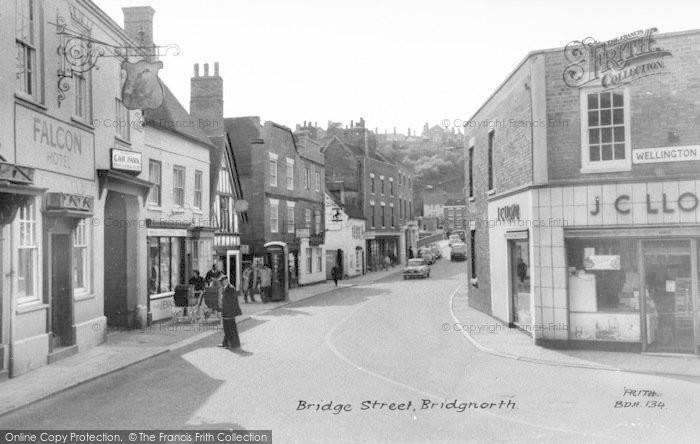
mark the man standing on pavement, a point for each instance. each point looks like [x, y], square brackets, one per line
[335, 274]
[247, 285]
[229, 310]
[213, 274]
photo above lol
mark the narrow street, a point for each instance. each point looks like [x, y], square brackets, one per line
[382, 342]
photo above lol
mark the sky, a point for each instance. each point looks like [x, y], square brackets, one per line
[397, 63]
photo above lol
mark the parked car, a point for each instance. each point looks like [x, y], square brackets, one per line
[416, 268]
[429, 257]
[459, 252]
[454, 238]
[436, 250]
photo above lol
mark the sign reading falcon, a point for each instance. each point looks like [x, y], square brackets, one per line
[142, 88]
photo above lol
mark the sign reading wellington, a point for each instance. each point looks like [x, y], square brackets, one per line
[49, 144]
[615, 62]
[666, 154]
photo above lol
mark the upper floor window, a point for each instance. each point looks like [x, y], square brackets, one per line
[371, 183]
[82, 96]
[605, 137]
[290, 217]
[273, 170]
[318, 181]
[225, 214]
[179, 186]
[122, 120]
[198, 177]
[154, 173]
[307, 218]
[27, 35]
[391, 186]
[317, 216]
[382, 186]
[307, 178]
[274, 216]
[290, 174]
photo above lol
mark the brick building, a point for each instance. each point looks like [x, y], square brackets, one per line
[455, 214]
[285, 216]
[358, 176]
[582, 196]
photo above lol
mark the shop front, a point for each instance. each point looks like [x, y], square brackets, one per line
[379, 247]
[623, 264]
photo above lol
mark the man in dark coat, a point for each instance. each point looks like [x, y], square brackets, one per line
[229, 310]
[213, 274]
[197, 281]
[336, 274]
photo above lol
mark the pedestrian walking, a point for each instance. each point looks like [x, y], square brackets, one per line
[410, 252]
[247, 285]
[336, 274]
[229, 310]
[387, 262]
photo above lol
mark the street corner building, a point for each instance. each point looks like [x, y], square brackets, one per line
[582, 188]
[104, 207]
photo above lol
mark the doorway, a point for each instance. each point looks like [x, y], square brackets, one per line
[669, 293]
[520, 293]
[61, 292]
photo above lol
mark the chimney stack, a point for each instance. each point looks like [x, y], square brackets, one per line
[216, 69]
[196, 69]
[206, 70]
[138, 25]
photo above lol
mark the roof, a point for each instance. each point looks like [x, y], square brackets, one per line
[352, 211]
[171, 116]
[434, 198]
[357, 150]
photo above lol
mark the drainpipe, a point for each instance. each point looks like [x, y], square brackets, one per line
[10, 274]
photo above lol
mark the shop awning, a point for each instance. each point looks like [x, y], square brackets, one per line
[16, 188]
[110, 178]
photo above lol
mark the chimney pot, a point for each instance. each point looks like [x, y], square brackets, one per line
[206, 70]
[304, 123]
[216, 69]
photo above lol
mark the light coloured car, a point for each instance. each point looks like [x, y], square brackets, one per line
[436, 250]
[429, 257]
[416, 268]
[458, 251]
[454, 238]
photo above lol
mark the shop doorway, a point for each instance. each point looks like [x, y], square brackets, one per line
[520, 293]
[61, 292]
[276, 260]
[669, 293]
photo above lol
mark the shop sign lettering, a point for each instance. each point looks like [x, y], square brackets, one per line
[509, 213]
[686, 202]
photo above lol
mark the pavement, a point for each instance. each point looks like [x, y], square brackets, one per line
[123, 349]
[492, 336]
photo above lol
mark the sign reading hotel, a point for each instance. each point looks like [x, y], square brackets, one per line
[615, 62]
[49, 144]
[666, 154]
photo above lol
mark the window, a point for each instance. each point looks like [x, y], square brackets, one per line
[605, 137]
[372, 213]
[225, 213]
[274, 216]
[490, 160]
[154, 172]
[319, 260]
[472, 249]
[307, 178]
[318, 181]
[81, 262]
[273, 170]
[383, 219]
[198, 189]
[471, 171]
[165, 264]
[179, 186]
[27, 260]
[82, 96]
[391, 186]
[290, 174]
[309, 261]
[307, 218]
[410, 210]
[393, 224]
[27, 43]
[409, 182]
[290, 217]
[122, 120]
[371, 183]
[382, 186]
[317, 216]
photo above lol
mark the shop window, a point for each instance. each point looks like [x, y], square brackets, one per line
[179, 186]
[81, 262]
[309, 261]
[27, 254]
[27, 38]
[198, 189]
[166, 268]
[154, 175]
[605, 136]
[603, 275]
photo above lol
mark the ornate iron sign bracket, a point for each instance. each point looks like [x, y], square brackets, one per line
[79, 53]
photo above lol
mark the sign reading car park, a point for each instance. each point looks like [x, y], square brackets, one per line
[666, 154]
[126, 160]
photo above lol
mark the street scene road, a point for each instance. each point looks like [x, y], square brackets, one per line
[382, 362]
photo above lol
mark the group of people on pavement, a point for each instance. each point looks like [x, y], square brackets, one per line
[254, 279]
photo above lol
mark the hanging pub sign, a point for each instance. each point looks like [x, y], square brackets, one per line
[142, 88]
[614, 62]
